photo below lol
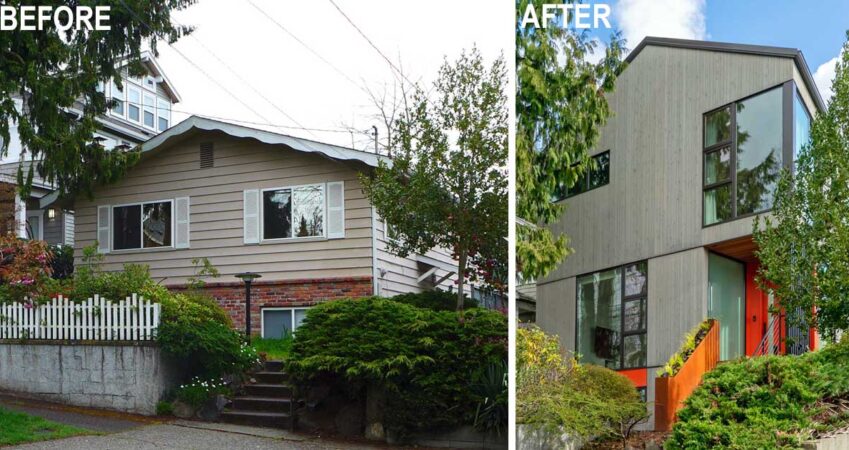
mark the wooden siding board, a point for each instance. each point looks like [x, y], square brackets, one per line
[216, 213]
[557, 313]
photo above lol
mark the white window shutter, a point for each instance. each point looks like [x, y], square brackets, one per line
[181, 240]
[104, 220]
[251, 216]
[336, 210]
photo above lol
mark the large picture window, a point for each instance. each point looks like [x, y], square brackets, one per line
[143, 225]
[612, 317]
[743, 154]
[293, 212]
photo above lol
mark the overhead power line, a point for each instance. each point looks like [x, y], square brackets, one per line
[372, 44]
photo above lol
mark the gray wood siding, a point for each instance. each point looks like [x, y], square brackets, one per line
[54, 232]
[653, 204]
[216, 217]
[556, 310]
[677, 301]
[397, 275]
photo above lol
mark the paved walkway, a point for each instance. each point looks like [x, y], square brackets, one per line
[126, 431]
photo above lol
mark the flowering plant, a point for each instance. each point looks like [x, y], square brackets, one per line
[198, 390]
[24, 267]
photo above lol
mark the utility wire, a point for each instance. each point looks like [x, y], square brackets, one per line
[199, 69]
[310, 49]
[388, 61]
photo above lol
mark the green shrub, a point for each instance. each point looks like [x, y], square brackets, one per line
[490, 385]
[164, 408]
[437, 300]
[423, 359]
[766, 402]
[558, 394]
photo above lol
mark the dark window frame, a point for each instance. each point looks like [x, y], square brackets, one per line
[624, 299]
[585, 179]
[789, 89]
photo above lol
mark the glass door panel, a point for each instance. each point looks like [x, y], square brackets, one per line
[726, 291]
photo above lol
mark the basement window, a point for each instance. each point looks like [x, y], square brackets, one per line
[278, 323]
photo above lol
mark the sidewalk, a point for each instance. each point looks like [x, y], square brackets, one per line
[127, 431]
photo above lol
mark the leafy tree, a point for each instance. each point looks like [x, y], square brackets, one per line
[446, 186]
[560, 107]
[49, 71]
[804, 247]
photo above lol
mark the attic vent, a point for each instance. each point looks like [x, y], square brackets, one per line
[207, 156]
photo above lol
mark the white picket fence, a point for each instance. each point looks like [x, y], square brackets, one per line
[96, 319]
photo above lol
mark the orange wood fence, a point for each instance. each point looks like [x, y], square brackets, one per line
[670, 392]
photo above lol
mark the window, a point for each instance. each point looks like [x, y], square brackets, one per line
[163, 112]
[801, 126]
[742, 156]
[149, 110]
[144, 225]
[612, 317]
[591, 179]
[281, 322]
[293, 212]
[118, 96]
[133, 104]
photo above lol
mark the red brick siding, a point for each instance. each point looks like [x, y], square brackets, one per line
[231, 296]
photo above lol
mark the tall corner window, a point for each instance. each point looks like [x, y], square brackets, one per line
[595, 177]
[612, 317]
[801, 126]
[742, 156]
[142, 225]
[293, 212]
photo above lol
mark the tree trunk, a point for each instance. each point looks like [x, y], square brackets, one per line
[461, 278]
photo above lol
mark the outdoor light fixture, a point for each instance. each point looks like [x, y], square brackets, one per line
[248, 278]
[51, 213]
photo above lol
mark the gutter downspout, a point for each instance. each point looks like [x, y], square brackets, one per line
[375, 271]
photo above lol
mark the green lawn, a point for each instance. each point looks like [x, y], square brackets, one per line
[275, 349]
[19, 428]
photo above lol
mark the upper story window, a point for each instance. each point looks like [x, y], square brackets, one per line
[163, 113]
[142, 225]
[117, 95]
[591, 179]
[612, 317]
[293, 212]
[801, 126]
[743, 153]
[139, 103]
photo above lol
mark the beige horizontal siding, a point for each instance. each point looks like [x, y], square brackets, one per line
[400, 275]
[216, 224]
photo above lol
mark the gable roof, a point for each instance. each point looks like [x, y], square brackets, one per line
[268, 137]
[149, 61]
[747, 49]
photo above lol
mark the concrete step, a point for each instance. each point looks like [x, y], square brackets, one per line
[269, 377]
[266, 404]
[268, 390]
[274, 366]
[257, 418]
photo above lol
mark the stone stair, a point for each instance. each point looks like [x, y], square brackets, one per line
[269, 402]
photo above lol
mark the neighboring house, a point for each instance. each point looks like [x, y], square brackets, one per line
[662, 228]
[143, 110]
[290, 209]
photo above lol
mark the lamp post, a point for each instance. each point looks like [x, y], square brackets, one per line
[248, 278]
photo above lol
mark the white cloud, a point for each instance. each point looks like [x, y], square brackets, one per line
[823, 77]
[598, 52]
[664, 18]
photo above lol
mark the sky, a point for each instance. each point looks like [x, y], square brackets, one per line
[817, 28]
[255, 53]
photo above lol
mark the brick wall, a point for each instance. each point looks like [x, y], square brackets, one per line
[231, 296]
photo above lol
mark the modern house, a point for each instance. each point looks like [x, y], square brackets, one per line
[143, 110]
[289, 209]
[662, 227]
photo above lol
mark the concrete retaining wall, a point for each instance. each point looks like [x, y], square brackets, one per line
[120, 376]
